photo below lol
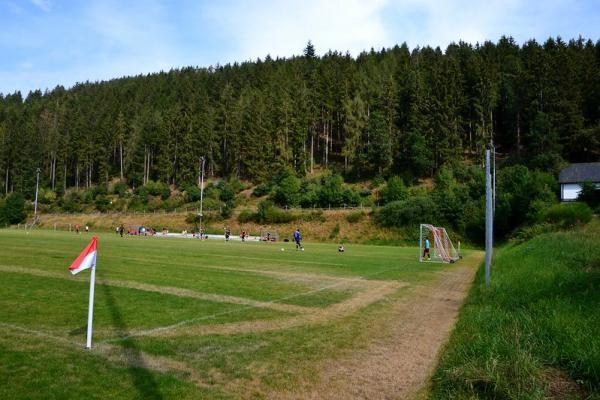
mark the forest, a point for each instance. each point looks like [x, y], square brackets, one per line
[393, 112]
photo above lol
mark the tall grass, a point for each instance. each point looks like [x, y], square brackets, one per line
[536, 329]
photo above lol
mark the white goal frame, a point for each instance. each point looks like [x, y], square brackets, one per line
[441, 247]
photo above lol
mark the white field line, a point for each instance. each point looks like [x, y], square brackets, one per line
[38, 333]
[179, 292]
[153, 331]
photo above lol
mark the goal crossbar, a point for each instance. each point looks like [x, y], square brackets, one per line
[441, 248]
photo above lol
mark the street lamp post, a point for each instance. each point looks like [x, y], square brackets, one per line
[37, 185]
[202, 159]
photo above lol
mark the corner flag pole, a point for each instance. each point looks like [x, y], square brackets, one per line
[88, 344]
[87, 260]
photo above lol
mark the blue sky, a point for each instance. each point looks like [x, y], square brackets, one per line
[44, 43]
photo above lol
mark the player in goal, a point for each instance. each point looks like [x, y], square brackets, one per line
[435, 245]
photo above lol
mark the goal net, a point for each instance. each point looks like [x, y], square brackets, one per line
[269, 236]
[435, 245]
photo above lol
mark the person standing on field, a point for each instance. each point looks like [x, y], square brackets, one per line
[297, 239]
[426, 249]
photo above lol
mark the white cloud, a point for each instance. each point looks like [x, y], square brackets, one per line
[282, 28]
[44, 5]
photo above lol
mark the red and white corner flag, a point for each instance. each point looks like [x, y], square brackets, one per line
[87, 259]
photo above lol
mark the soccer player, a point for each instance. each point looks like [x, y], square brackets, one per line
[297, 239]
[426, 249]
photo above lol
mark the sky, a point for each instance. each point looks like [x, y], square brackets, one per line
[45, 43]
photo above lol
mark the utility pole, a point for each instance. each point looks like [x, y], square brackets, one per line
[37, 185]
[489, 218]
[201, 182]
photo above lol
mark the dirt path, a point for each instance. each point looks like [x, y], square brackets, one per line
[398, 362]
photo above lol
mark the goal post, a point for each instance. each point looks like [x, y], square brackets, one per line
[441, 248]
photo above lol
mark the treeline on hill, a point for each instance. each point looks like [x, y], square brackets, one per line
[395, 112]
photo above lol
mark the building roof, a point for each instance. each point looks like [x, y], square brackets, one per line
[581, 172]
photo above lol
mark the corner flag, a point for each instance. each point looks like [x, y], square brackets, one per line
[87, 259]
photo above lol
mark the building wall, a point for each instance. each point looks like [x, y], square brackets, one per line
[570, 191]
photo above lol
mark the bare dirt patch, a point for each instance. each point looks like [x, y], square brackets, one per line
[399, 360]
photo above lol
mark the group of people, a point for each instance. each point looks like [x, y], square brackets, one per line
[78, 228]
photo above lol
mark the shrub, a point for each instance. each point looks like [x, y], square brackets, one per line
[313, 216]
[268, 213]
[262, 189]
[287, 192]
[158, 189]
[567, 215]
[192, 193]
[246, 216]
[412, 211]
[47, 196]
[119, 188]
[335, 231]
[13, 211]
[589, 194]
[226, 192]
[355, 217]
[102, 203]
[394, 190]
[331, 192]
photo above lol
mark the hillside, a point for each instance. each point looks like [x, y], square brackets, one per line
[394, 111]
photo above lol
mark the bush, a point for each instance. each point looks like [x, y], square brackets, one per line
[158, 189]
[262, 189]
[409, 212]
[589, 194]
[268, 213]
[331, 192]
[335, 231]
[192, 193]
[13, 210]
[355, 217]
[246, 216]
[47, 196]
[287, 191]
[226, 192]
[102, 203]
[119, 188]
[394, 190]
[567, 215]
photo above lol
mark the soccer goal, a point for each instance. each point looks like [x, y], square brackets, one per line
[441, 248]
[269, 236]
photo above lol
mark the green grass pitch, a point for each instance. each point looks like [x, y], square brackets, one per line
[184, 318]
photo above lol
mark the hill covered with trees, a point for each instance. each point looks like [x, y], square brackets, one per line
[393, 111]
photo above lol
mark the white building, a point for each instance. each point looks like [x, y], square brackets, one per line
[571, 178]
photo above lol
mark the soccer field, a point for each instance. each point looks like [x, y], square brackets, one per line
[191, 319]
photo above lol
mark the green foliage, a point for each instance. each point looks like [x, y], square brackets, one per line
[192, 193]
[335, 231]
[331, 192]
[119, 188]
[567, 215]
[246, 216]
[13, 209]
[287, 191]
[355, 217]
[262, 189]
[410, 212]
[590, 195]
[268, 213]
[394, 190]
[102, 203]
[158, 189]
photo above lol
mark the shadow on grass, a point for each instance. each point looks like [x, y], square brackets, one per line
[142, 377]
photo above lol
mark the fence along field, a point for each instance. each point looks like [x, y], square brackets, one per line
[189, 319]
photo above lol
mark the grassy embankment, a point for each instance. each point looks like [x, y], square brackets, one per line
[535, 333]
[329, 226]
